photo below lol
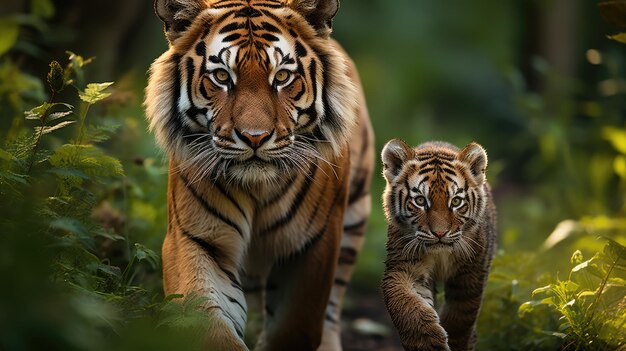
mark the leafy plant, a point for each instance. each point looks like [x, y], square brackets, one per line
[57, 182]
[588, 307]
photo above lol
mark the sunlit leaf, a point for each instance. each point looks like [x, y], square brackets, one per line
[621, 37]
[95, 92]
[50, 129]
[58, 115]
[577, 257]
[617, 137]
[75, 68]
[40, 111]
[542, 290]
[37, 112]
[586, 293]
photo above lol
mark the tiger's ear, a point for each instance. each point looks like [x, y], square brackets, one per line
[394, 155]
[319, 13]
[475, 157]
[177, 15]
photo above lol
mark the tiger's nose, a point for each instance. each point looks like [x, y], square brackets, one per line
[254, 139]
[440, 234]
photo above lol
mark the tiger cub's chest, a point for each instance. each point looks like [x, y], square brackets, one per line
[436, 266]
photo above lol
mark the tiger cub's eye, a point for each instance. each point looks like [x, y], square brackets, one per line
[282, 76]
[456, 202]
[221, 75]
[421, 201]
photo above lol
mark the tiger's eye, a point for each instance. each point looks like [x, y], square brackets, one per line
[221, 75]
[457, 201]
[421, 201]
[282, 76]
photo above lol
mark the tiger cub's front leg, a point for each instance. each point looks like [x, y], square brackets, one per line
[410, 303]
[463, 297]
[201, 256]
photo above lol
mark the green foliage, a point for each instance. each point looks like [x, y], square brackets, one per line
[59, 191]
[587, 309]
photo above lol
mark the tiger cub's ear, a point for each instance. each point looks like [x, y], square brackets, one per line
[394, 155]
[319, 13]
[177, 15]
[475, 157]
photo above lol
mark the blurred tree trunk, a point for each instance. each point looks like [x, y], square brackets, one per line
[552, 33]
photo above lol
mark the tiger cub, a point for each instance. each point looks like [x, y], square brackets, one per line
[442, 229]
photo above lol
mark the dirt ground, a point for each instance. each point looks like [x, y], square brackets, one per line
[367, 326]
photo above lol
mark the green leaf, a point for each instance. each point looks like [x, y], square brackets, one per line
[88, 160]
[42, 8]
[101, 132]
[6, 155]
[14, 177]
[50, 129]
[541, 290]
[526, 307]
[586, 293]
[559, 335]
[37, 112]
[144, 254]
[58, 115]
[40, 111]
[577, 257]
[75, 68]
[56, 77]
[109, 234]
[9, 31]
[547, 301]
[615, 254]
[70, 225]
[95, 92]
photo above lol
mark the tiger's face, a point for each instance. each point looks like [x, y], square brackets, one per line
[249, 90]
[434, 192]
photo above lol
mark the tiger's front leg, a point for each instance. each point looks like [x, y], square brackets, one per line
[201, 256]
[302, 282]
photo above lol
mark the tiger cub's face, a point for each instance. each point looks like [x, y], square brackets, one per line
[433, 193]
[258, 89]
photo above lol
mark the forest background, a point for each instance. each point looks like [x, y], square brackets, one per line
[539, 83]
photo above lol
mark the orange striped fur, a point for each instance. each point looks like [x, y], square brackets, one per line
[271, 157]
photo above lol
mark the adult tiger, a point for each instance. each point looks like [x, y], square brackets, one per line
[268, 201]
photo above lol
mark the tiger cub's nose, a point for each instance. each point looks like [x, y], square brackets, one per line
[254, 139]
